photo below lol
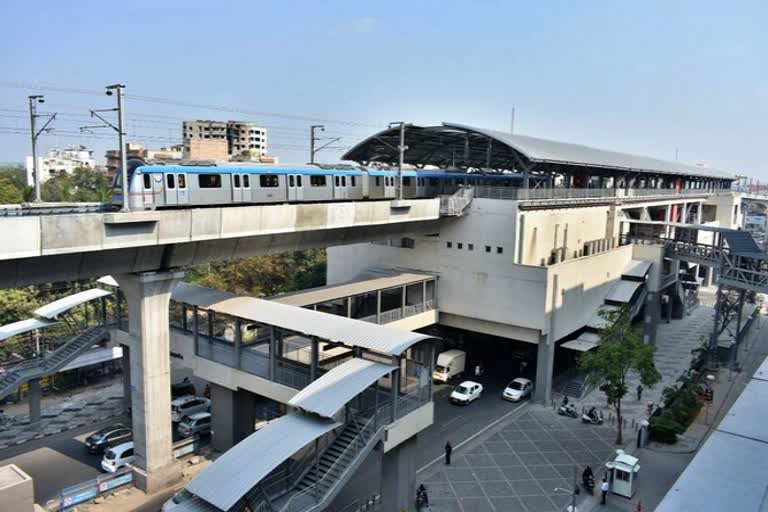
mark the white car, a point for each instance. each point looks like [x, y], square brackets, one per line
[187, 406]
[466, 392]
[517, 389]
[118, 457]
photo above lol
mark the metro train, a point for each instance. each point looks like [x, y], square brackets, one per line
[178, 186]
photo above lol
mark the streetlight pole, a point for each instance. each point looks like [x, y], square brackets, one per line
[33, 101]
[120, 89]
[401, 158]
[312, 140]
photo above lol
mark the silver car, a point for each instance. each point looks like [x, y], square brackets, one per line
[198, 423]
[187, 405]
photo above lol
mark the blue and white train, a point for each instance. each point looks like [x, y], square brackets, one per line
[178, 186]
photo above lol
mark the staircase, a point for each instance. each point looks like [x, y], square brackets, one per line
[455, 204]
[320, 485]
[52, 362]
[573, 388]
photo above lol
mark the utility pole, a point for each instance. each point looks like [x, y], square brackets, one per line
[33, 115]
[119, 128]
[313, 139]
[677, 151]
[512, 122]
[401, 148]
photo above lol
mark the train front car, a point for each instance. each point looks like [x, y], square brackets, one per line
[117, 187]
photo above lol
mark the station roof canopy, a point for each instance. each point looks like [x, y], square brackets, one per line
[22, 326]
[337, 329]
[459, 146]
[329, 393]
[55, 308]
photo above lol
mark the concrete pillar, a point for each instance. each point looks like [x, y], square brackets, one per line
[126, 362]
[651, 318]
[314, 359]
[398, 477]
[148, 297]
[699, 207]
[544, 364]
[708, 273]
[233, 416]
[395, 383]
[35, 398]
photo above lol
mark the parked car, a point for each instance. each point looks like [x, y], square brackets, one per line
[187, 405]
[183, 388]
[466, 392]
[178, 498]
[449, 364]
[117, 457]
[518, 389]
[198, 423]
[106, 437]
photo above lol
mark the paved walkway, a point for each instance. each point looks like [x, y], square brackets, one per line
[64, 412]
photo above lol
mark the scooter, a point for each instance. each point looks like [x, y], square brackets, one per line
[567, 410]
[596, 419]
[421, 500]
[589, 484]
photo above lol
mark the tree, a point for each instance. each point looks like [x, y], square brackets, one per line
[9, 194]
[619, 350]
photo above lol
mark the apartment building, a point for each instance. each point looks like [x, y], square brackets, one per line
[219, 140]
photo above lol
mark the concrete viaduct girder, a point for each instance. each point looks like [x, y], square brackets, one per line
[70, 247]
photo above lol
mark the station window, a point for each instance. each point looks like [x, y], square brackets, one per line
[499, 250]
[246, 181]
[268, 181]
[237, 180]
[317, 181]
[487, 248]
[209, 180]
[147, 181]
[459, 245]
[470, 247]
[170, 180]
[449, 244]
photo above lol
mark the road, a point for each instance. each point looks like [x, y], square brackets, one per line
[58, 461]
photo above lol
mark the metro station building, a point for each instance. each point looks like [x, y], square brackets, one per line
[533, 265]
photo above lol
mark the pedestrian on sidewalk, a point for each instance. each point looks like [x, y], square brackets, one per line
[604, 489]
[639, 392]
[448, 450]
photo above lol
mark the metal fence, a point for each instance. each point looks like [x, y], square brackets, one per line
[522, 194]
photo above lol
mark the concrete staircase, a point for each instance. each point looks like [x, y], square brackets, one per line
[52, 362]
[320, 485]
[574, 388]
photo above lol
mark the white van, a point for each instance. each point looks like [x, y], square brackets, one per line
[117, 457]
[449, 364]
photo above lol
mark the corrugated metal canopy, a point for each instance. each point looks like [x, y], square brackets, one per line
[597, 321]
[199, 295]
[586, 341]
[240, 468]
[624, 291]
[637, 269]
[55, 308]
[456, 145]
[741, 243]
[358, 287]
[329, 393]
[22, 326]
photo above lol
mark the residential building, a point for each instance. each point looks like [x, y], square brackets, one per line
[60, 160]
[174, 152]
[219, 140]
[132, 149]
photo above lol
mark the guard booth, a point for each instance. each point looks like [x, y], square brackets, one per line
[625, 470]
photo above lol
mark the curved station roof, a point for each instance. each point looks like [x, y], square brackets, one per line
[460, 146]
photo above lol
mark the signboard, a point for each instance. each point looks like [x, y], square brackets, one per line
[79, 497]
[118, 481]
[758, 220]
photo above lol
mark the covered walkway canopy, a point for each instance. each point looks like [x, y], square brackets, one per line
[22, 326]
[55, 308]
[458, 146]
[238, 470]
[329, 393]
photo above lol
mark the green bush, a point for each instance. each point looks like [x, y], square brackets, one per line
[664, 429]
[681, 406]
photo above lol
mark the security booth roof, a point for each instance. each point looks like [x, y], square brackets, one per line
[456, 145]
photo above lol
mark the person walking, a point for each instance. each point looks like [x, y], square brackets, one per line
[604, 490]
[448, 450]
[639, 392]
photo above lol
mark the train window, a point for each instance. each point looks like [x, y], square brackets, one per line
[352, 179]
[268, 180]
[499, 250]
[291, 182]
[378, 181]
[343, 181]
[209, 180]
[170, 180]
[336, 180]
[433, 182]
[237, 180]
[246, 181]
[487, 248]
[407, 181]
[470, 247]
[182, 181]
[298, 181]
[317, 181]
[147, 181]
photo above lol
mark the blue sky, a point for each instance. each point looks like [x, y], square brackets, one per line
[643, 77]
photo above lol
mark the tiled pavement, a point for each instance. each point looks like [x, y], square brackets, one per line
[518, 466]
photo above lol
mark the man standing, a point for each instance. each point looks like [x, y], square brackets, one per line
[604, 489]
[639, 392]
[448, 450]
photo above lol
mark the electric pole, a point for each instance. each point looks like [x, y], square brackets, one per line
[401, 148]
[33, 115]
[313, 139]
[512, 122]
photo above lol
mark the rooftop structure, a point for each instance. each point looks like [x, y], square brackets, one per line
[60, 160]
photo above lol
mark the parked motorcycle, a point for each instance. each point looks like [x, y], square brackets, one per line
[588, 481]
[593, 417]
[567, 410]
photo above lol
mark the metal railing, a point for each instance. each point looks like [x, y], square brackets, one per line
[521, 194]
[455, 204]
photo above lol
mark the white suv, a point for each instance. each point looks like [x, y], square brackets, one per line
[187, 405]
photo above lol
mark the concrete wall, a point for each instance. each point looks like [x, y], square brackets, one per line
[582, 286]
[17, 491]
[409, 425]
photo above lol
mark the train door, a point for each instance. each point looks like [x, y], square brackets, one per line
[182, 192]
[340, 187]
[389, 186]
[237, 188]
[295, 187]
[171, 195]
[247, 197]
[147, 190]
